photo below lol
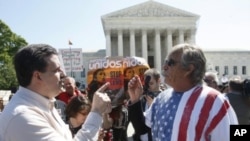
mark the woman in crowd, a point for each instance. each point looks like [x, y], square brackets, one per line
[99, 78]
[76, 114]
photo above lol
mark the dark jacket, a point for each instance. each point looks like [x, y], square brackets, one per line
[136, 117]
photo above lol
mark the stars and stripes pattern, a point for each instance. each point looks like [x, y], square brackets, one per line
[200, 114]
[163, 127]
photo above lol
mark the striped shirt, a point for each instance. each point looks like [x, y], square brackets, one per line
[200, 114]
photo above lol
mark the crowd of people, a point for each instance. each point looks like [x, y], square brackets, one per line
[49, 106]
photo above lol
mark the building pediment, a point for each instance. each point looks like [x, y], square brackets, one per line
[150, 9]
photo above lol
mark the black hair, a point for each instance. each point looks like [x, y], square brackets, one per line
[76, 104]
[31, 58]
[127, 69]
[96, 72]
[246, 88]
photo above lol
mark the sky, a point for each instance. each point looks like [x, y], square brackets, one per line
[223, 24]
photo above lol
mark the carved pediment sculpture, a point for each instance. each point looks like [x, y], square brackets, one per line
[151, 9]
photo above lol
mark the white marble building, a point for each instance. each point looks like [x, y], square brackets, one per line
[150, 29]
[229, 62]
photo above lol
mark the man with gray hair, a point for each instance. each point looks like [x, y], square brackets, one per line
[189, 111]
[212, 80]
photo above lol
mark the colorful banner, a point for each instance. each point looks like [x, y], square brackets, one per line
[116, 70]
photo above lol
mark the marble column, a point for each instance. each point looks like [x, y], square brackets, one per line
[132, 42]
[170, 41]
[181, 36]
[108, 43]
[192, 36]
[157, 50]
[120, 43]
[144, 45]
[165, 46]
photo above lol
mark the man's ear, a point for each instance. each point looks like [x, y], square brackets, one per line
[37, 75]
[190, 70]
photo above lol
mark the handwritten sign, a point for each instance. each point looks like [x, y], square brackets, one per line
[72, 59]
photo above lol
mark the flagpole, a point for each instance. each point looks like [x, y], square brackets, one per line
[70, 43]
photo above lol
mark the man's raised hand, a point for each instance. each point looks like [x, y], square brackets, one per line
[135, 89]
[101, 101]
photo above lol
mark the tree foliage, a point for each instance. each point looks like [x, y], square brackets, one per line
[9, 45]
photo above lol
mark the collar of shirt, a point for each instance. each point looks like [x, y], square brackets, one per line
[36, 99]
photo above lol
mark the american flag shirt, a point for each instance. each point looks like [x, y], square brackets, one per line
[199, 114]
[164, 114]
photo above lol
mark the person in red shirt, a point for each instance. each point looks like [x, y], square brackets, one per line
[70, 90]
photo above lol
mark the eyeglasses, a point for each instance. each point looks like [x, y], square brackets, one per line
[170, 62]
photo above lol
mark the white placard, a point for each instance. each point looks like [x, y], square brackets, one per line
[72, 59]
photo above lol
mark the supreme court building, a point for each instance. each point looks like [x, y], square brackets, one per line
[148, 30]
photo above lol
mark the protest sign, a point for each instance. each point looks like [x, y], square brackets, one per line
[117, 71]
[71, 59]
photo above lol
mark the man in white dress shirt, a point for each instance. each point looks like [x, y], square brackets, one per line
[31, 115]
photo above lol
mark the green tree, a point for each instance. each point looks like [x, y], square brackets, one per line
[9, 45]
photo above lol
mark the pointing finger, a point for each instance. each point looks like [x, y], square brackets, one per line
[135, 80]
[139, 80]
[103, 87]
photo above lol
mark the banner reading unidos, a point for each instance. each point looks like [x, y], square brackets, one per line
[117, 71]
